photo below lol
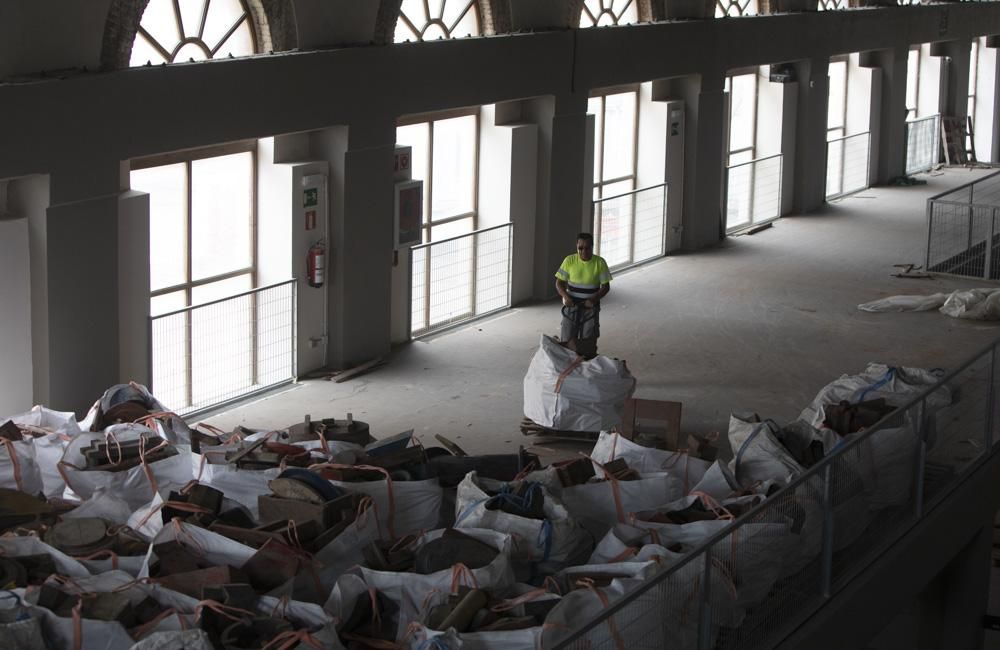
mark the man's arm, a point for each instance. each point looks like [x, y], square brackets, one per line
[603, 291]
[563, 289]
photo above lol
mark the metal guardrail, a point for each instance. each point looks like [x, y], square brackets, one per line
[753, 192]
[847, 164]
[215, 352]
[631, 228]
[922, 143]
[460, 278]
[752, 583]
[963, 230]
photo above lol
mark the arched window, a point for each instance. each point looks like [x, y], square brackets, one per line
[184, 30]
[597, 13]
[735, 8]
[426, 20]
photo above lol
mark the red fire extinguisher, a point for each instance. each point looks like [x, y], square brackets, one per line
[316, 264]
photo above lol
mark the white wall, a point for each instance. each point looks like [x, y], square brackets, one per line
[770, 108]
[652, 138]
[985, 118]
[929, 83]
[859, 97]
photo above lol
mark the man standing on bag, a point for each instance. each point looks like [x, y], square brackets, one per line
[582, 280]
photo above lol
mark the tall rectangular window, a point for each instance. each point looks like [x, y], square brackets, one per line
[616, 118]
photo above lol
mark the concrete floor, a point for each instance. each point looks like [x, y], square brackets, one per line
[759, 323]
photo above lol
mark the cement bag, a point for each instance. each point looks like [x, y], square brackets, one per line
[563, 391]
[647, 459]
[760, 456]
[754, 555]
[404, 507]
[103, 504]
[110, 634]
[184, 640]
[423, 638]
[137, 484]
[973, 304]
[583, 602]
[883, 461]
[625, 543]
[19, 468]
[720, 483]
[215, 548]
[410, 590]
[51, 430]
[598, 505]
[345, 550]
[540, 540]
[240, 485]
[18, 546]
[896, 384]
[905, 303]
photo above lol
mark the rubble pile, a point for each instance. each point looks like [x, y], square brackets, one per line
[132, 529]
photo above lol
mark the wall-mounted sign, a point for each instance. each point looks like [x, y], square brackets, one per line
[310, 197]
[401, 161]
[409, 213]
[310, 219]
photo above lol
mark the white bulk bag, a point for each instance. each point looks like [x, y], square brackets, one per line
[648, 459]
[598, 505]
[56, 429]
[553, 538]
[19, 468]
[411, 590]
[565, 392]
[133, 484]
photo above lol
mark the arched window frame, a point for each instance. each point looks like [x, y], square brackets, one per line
[591, 12]
[417, 26]
[187, 36]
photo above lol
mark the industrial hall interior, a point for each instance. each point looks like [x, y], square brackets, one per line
[589, 324]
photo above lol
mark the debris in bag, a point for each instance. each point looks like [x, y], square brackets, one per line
[967, 304]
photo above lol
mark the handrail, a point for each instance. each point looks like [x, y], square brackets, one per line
[636, 191]
[848, 137]
[955, 190]
[474, 232]
[218, 300]
[772, 501]
[924, 119]
[755, 160]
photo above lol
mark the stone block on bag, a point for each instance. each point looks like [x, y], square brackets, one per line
[575, 472]
[509, 623]
[80, 536]
[19, 509]
[274, 564]
[451, 548]
[174, 557]
[10, 431]
[253, 632]
[193, 583]
[249, 536]
[238, 595]
[273, 508]
[451, 470]
[463, 613]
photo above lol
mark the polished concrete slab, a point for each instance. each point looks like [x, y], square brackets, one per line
[759, 323]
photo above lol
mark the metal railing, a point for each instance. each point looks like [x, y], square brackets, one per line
[922, 143]
[631, 228]
[847, 164]
[963, 230]
[460, 278]
[753, 192]
[752, 583]
[218, 351]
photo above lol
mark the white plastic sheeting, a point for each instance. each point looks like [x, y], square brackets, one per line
[969, 304]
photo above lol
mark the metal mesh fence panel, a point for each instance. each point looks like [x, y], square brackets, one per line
[922, 144]
[209, 354]
[847, 161]
[631, 228]
[753, 192]
[960, 238]
[460, 278]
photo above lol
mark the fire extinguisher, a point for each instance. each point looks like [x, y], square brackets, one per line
[316, 264]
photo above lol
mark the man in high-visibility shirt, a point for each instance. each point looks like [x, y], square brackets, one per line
[582, 280]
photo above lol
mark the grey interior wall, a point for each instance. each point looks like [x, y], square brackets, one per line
[15, 316]
[68, 34]
[133, 288]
